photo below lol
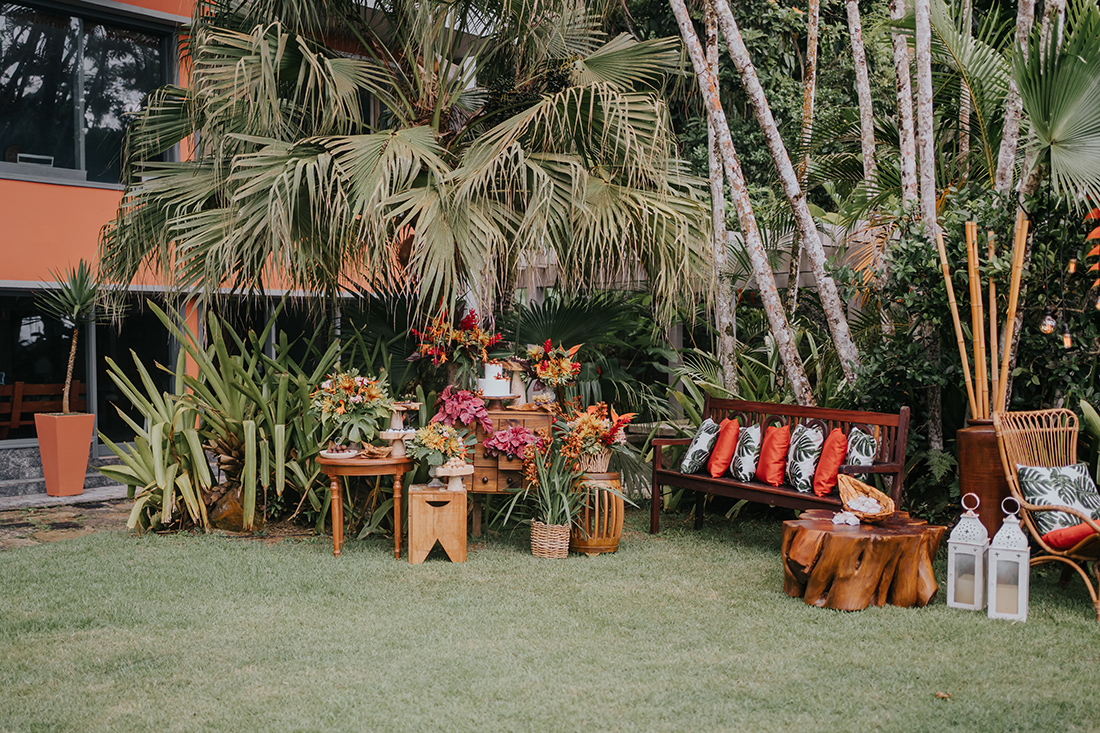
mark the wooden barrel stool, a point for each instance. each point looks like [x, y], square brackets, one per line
[600, 524]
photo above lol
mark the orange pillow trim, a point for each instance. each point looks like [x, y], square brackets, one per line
[773, 455]
[833, 454]
[724, 448]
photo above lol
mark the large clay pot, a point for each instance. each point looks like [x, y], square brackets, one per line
[981, 471]
[64, 442]
[599, 527]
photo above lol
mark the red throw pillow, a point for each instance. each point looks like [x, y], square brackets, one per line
[1067, 537]
[773, 455]
[833, 454]
[724, 447]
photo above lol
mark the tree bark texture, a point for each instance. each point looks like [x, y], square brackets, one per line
[725, 313]
[964, 102]
[809, 91]
[906, 142]
[925, 132]
[765, 280]
[850, 568]
[796, 197]
[863, 92]
[1010, 134]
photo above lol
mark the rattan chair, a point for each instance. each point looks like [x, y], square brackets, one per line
[1047, 438]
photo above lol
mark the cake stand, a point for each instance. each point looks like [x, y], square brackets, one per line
[455, 475]
[397, 440]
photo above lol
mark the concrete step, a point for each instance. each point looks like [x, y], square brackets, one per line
[21, 472]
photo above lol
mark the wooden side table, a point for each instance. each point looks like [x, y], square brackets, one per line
[337, 468]
[436, 514]
[851, 567]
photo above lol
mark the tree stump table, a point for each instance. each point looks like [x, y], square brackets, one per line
[851, 567]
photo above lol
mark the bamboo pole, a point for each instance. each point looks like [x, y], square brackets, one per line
[977, 321]
[995, 384]
[958, 323]
[1013, 299]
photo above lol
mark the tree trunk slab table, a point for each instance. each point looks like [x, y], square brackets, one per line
[337, 468]
[851, 567]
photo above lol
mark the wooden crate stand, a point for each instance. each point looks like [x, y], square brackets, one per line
[436, 515]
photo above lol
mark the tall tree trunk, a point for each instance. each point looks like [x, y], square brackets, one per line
[1006, 157]
[905, 110]
[765, 280]
[964, 102]
[796, 197]
[809, 90]
[863, 92]
[925, 133]
[725, 315]
[69, 370]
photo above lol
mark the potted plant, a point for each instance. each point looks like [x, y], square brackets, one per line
[351, 406]
[554, 368]
[65, 438]
[550, 494]
[589, 438]
[510, 444]
[460, 348]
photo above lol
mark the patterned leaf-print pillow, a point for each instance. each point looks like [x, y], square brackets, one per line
[743, 465]
[701, 445]
[861, 451]
[802, 457]
[1070, 486]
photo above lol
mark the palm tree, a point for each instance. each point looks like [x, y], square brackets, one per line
[503, 129]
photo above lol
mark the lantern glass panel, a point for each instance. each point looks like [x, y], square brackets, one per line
[964, 578]
[1008, 587]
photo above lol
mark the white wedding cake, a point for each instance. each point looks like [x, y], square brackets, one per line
[495, 384]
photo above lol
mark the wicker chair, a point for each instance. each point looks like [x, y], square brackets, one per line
[1047, 438]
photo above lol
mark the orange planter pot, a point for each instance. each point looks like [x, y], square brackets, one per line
[64, 442]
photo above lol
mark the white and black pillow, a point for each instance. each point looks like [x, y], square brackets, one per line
[861, 450]
[743, 465]
[1070, 486]
[802, 457]
[701, 446]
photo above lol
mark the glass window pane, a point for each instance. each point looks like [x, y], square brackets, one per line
[120, 67]
[38, 52]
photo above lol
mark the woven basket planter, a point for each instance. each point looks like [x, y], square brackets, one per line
[549, 540]
[595, 464]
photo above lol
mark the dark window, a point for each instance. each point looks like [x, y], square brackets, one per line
[68, 84]
[34, 349]
[143, 333]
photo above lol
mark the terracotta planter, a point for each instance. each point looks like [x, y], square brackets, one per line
[64, 441]
[599, 526]
[981, 471]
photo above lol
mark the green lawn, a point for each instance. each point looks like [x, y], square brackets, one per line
[682, 631]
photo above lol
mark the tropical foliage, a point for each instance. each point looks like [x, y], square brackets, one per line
[500, 134]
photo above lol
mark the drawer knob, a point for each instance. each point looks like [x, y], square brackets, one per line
[511, 481]
[484, 479]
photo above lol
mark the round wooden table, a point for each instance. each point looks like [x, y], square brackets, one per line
[851, 567]
[337, 468]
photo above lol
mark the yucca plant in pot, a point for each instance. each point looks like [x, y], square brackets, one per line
[65, 438]
[549, 496]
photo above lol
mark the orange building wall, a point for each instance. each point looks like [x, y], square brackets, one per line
[51, 227]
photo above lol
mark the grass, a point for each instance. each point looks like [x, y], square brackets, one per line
[682, 631]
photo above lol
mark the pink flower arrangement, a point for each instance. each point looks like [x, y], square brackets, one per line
[511, 441]
[458, 406]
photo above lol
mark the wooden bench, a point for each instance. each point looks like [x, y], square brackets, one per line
[889, 430]
[20, 401]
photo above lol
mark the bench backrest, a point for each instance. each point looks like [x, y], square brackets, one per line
[19, 402]
[889, 430]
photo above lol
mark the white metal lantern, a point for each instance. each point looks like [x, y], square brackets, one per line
[1009, 568]
[966, 548]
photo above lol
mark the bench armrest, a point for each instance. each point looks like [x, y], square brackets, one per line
[658, 442]
[873, 468]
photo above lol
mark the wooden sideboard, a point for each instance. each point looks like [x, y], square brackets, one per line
[498, 474]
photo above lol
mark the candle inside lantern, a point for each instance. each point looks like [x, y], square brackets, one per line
[964, 589]
[1008, 598]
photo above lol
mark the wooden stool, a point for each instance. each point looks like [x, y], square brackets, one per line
[436, 514]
